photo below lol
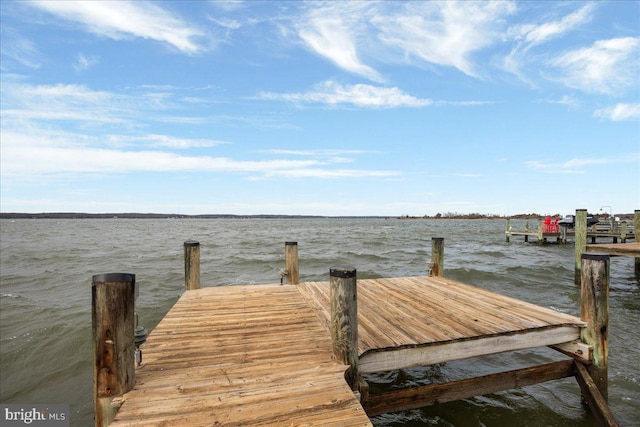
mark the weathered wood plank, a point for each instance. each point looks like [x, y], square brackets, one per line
[616, 249]
[242, 355]
[376, 361]
[420, 396]
[400, 313]
[594, 398]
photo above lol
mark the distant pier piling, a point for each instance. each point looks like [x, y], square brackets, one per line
[291, 262]
[192, 265]
[344, 320]
[580, 221]
[113, 324]
[636, 236]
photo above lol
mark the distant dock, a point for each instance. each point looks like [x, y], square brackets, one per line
[555, 233]
[295, 354]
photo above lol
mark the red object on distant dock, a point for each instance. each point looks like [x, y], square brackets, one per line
[550, 225]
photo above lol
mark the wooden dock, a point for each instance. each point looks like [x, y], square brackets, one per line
[240, 355]
[616, 249]
[412, 321]
[295, 354]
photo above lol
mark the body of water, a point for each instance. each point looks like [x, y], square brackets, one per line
[45, 300]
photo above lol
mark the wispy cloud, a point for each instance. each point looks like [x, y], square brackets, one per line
[579, 165]
[331, 32]
[527, 36]
[41, 153]
[355, 35]
[444, 33]
[360, 95]
[120, 20]
[163, 141]
[608, 66]
[619, 112]
[19, 49]
[535, 34]
[84, 62]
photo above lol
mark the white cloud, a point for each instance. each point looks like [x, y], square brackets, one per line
[164, 141]
[620, 112]
[84, 62]
[329, 31]
[360, 95]
[120, 20]
[608, 66]
[19, 49]
[531, 35]
[578, 165]
[444, 33]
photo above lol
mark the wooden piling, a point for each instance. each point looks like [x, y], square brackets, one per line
[191, 264]
[636, 233]
[344, 320]
[594, 309]
[580, 224]
[291, 262]
[437, 256]
[507, 230]
[112, 308]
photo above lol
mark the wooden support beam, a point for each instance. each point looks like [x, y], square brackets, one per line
[437, 256]
[576, 349]
[418, 397]
[112, 312]
[594, 309]
[507, 230]
[191, 265]
[590, 393]
[580, 236]
[344, 320]
[379, 361]
[291, 262]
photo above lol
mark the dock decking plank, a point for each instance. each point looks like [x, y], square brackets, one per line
[398, 315]
[240, 355]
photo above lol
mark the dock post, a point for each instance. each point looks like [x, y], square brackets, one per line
[191, 265]
[112, 315]
[636, 237]
[526, 230]
[291, 262]
[437, 256]
[541, 238]
[594, 309]
[507, 230]
[580, 224]
[344, 320]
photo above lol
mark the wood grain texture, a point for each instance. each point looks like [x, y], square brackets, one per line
[240, 355]
[407, 313]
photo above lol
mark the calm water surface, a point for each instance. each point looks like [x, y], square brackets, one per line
[45, 300]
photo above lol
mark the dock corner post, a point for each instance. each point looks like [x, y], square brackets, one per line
[580, 223]
[291, 262]
[636, 237]
[191, 265]
[344, 320]
[507, 230]
[437, 256]
[594, 309]
[113, 324]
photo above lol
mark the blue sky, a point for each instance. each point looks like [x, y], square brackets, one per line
[324, 108]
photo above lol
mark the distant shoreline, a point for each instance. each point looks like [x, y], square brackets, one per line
[81, 215]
